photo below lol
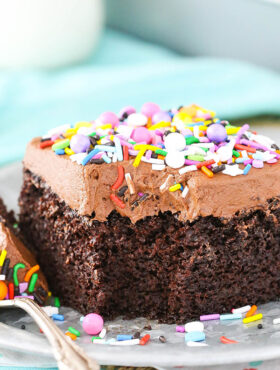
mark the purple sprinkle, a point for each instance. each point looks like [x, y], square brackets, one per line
[243, 129]
[214, 316]
[159, 133]
[148, 154]
[189, 162]
[22, 287]
[140, 194]
[229, 161]
[180, 329]
[257, 163]
[248, 161]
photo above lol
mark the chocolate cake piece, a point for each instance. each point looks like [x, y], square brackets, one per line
[122, 238]
[15, 253]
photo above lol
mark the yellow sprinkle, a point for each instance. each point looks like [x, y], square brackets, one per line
[98, 142]
[69, 151]
[105, 127]
[70, 132]
[49, 294]
[112, 137]
[145, 147]
[257, 317]
[159, 125]
[3, 256]
[232, 130]
[207, 172]
[175, 187]
[82, 124]
[182, 116]
[202, 128]
[138, 157]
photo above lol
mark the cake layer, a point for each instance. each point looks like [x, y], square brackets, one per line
[87, 189]
[159, 267]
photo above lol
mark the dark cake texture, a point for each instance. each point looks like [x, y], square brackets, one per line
[159, 267]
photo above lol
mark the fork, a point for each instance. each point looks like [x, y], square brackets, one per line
[67, 354]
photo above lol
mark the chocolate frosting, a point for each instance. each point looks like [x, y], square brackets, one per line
[87, 189]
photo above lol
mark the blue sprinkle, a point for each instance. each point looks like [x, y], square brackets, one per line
[106, 148]
[118, 149]
[121, 337]
[231, 316]
[89, 156]
[106, 158]
[60, 151]
[58, 317]
[247, 169]
[194, 336]
[241, 160]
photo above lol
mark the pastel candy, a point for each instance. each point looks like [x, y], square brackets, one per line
[137, 119]
[149, 109]
[194, 326]
[175, 141]
[175, 159]
[141, 134]
[195, 336]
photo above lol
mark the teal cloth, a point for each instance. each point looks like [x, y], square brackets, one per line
[125, 70]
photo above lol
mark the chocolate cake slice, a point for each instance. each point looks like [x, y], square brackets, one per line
[163, 214]
[15, 256]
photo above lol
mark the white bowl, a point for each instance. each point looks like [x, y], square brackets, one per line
[48, 33]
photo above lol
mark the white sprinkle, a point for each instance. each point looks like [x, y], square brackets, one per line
[115, 158]
[50, 310]
[185, 192]
[102, 333]
[130, 183]
[244, 154]
[196, 131]
[110, 154]
[78, 157]
[203, 145]
[152, 160]
[82, 318]
[276, 321]
[243, 309]
[2, 277]
[85, 131]
[158, 167]
[187, 169]
[196, 344]
[99, 341]
[165, 185]
[131, 342]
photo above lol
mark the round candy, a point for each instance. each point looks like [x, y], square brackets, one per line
[194, 326]
[137, 119]
[175, 141]
[175, 159]
[216, 133]
[149, 109]
[108, 117]
[93, 323]
[141, 134]
[3, 290]
[161, 116]
[79, 143]
[127, 110]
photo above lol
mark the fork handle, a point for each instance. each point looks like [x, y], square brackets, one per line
[67, 354]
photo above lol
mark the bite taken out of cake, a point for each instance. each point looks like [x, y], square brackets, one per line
[163, 214]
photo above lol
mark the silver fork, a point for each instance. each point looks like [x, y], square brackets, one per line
[67, 354]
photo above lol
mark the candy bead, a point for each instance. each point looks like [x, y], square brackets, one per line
[161, 116]
[195, 336]
[194, 326]
[93, 323]
[175, 142]
[175, 159]
[109, 117]
[141, 134]
[243, 309]
[137, 119]
[180, 329]
[216, 133]
[80, 143]
[3, 290]
[149, 109]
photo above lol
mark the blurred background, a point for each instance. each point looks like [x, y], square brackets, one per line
[63, 61]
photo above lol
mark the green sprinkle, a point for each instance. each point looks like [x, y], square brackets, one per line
[16, 268]
[92, 339]
[205, 149]
[15, 226]
[196, 157]
[61, 144]
[32, 282]
[161, 152]
[56, 302]
[235, 153]
[191, 140]
[92, 134]
[74, 331]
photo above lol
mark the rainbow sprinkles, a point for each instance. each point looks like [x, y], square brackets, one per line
[186, 139]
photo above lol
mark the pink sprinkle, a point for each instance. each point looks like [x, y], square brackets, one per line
[229, 161]
[133, 152]
[159, 133]
[25, 296]
[98, 155]
[148, 154]
[273, 160]
[140, 194]
[186, 132]
[55, 137]
[204, 139]
[213, 316]
[22, 287]
[189, 162]
[243, 129]
[180, 329]
[257, 163]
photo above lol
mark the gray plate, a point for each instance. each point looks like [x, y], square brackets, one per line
[30, 348]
